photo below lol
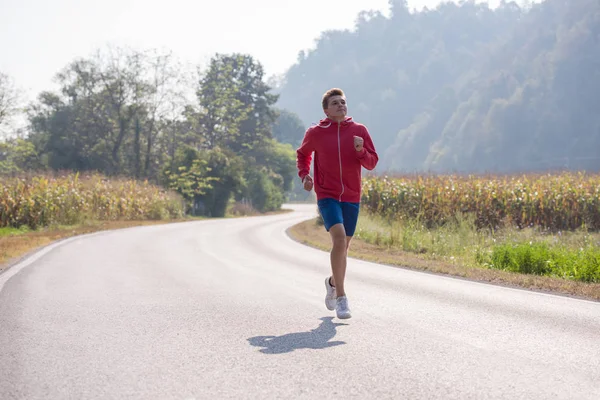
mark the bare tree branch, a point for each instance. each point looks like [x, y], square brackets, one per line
[9, 98]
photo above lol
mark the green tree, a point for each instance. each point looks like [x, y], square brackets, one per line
[235, 104]
[263, 189]
[269, 176]
[108, 114]
[289, 128]
[234, 122]
[18, 155]
[227, 172]
[188, 174]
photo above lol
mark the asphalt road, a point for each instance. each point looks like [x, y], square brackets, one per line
[233, 309]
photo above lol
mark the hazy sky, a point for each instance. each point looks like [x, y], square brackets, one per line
[40, 37]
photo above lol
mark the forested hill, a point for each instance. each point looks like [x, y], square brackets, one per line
[465, 87]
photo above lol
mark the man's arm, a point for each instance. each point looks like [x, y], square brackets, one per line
[368, 155]
[304, 155]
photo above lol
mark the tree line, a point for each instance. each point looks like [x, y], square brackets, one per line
[213, 134]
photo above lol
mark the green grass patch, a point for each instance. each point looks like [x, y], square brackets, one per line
[543, 259]
[456, 238]
[566, 255]
[9, 231]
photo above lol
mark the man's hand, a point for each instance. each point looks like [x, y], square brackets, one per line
[308, 183]
[358, 143]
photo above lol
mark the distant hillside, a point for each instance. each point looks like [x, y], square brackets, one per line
[465, 87]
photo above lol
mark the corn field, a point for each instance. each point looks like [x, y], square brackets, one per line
[565, 201]
[38, 201]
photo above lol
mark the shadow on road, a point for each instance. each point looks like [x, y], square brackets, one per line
[318, 338]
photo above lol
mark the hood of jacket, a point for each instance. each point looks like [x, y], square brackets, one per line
[327, 122]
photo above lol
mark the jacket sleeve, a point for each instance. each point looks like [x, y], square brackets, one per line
[368, 155]
[304, 155]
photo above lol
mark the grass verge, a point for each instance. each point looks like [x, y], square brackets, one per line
[418, 257]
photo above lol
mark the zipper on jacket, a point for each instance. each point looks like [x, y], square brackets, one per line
[340, 159]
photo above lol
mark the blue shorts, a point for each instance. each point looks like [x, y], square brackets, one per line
[336, 212]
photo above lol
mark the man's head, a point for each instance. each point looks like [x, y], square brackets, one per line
[334, 104]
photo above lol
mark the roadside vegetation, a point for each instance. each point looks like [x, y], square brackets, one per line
[534, 231]
[131, 137]
[36, 210]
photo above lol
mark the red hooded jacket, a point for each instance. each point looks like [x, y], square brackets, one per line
[337, 163]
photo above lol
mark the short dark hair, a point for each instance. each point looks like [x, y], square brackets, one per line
[330, 93]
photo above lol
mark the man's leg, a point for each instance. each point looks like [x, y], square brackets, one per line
[331, 212]
[338, 257]
[350, 213]
[348, 239]
[341, 235]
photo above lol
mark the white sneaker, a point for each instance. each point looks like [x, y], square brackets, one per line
[342, 310]
[330, 296]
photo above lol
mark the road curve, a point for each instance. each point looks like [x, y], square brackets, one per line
[233, 309]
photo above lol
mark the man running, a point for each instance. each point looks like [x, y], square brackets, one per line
[342, 147]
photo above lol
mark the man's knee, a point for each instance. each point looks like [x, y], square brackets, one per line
[338, 235]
